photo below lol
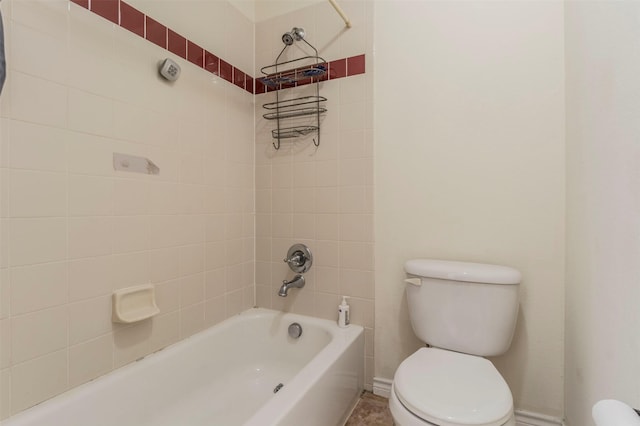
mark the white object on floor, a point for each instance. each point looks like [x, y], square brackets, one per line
[610, 412]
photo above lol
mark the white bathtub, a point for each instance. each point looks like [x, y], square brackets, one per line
[225, 376]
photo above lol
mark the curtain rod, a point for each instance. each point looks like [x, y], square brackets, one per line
[343, 15]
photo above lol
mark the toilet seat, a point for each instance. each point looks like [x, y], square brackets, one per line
[451, 389]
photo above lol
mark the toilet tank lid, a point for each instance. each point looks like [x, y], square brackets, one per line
[463, 271]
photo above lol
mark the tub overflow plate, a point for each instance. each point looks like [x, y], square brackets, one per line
[295, 330]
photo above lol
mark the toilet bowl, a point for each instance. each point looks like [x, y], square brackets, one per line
[465, 311]
[444, 388]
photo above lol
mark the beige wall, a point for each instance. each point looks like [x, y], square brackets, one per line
[73, 230]
[602, 291]
[469, 149]
[321, 196]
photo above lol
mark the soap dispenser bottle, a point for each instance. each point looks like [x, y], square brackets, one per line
[343, 313]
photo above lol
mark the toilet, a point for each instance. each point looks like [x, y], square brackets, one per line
[463, 312]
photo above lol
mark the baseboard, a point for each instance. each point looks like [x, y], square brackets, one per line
[527, 418]
[382, 387]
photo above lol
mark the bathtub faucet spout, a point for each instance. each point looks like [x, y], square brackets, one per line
[296, 282]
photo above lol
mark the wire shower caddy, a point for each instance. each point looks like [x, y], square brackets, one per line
[296, 71]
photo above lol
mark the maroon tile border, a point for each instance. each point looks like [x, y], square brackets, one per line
[195, 54]
[156, 32]
[129, 18]
[83, 3]
[238, 78]
[355, 65]
[249, 85]
[108, 9]
[226, 71]
[211, 63]
[177, 44]
[337, 69]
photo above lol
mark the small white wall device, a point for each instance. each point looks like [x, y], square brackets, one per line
[170, 70]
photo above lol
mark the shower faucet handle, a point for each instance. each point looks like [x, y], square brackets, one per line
[299, 258]
[296, 260]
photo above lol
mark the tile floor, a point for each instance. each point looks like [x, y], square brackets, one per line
[371, 410]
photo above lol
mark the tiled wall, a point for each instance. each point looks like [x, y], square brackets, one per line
[319, 196]
[145, 26]
[72, 230]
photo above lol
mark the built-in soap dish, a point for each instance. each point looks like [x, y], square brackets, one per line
[134, 304]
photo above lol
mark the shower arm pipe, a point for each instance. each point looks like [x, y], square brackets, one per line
[343, 15]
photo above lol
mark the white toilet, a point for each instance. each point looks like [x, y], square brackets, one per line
[464, 312]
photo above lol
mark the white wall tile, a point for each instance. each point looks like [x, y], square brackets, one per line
[37, 147]
[304, 226]
[37, 240]
[166, 331]
[353, 144]
[357, 283]
[5, 343]
[192, 259]
[131, 269]
[233, 303]
[39, 54]
[130, 233]
[168, 296]
[5, 293]
[90, 359]
[191, 199]
[37, 194]
[4, 193]
[90, 277]
[352, 171]
[131, 197]
[90, 236]
[326, 173]
[191, 289]
[132, 342]
[327, 200]
[4, 243]
[5, 393]
[89, 113]
[191, 169]
[132, 122]
[90, 196]
[38, 287]
[215, 283]
[192, 319]
[38, 333]
[163, 231]
[90, 155]
[191, 229]
[214, 310]
[89, 319]
[356, 227]
[4, 142]
[38, 101]
[48, 16]
[38, 379]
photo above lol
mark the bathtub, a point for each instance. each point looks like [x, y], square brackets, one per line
[225, 375]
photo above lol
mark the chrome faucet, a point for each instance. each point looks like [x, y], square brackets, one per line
[296, 282]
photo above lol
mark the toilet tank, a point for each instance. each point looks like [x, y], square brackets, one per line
[463, 307]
